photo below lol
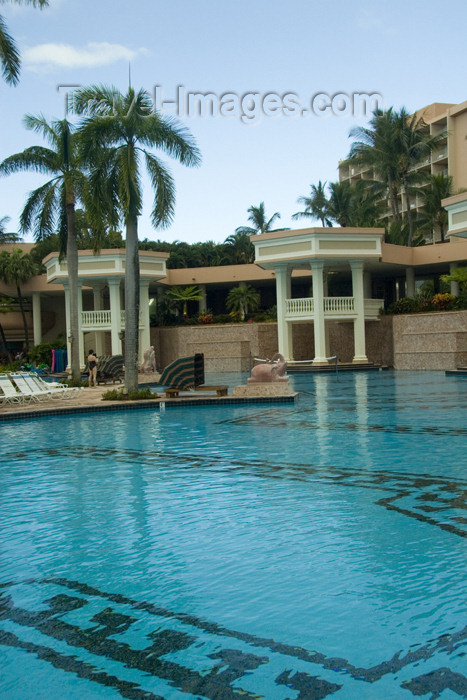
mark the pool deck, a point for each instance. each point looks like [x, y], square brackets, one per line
[90, 400]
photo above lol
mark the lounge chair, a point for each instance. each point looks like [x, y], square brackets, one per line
[28, 390]
[187, 374]
[54, 390]
[10, 394]
[110, 369]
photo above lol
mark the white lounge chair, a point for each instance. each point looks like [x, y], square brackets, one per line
[9, 392]
[30, 392]
[55, 389]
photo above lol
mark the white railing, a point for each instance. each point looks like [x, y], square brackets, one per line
[101, 319]
[96, 319]
[299, 307]
[333, 306]
[338, 305]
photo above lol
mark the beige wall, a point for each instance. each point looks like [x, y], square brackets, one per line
[225, 347]
[228, 347]
[436, 341]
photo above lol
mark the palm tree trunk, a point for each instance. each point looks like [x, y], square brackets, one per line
[131, 305]
[409, 213]
[393, 197]
[25, 325]
[4, 343]
[72, 264]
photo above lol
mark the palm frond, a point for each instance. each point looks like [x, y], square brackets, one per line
[9, 55]
[164, 186]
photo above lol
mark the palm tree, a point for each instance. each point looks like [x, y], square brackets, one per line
[239, 248]
[6, 306]
[119, 131]
[260, 223]
[9, 55]
[243, 299]
[316, 205]
[340, 203]
[414, 144]
[435, 215]
[17, 268]
[5, 236]
[185, 294]
[52, 206]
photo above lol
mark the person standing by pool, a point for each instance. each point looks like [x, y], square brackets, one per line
[92, 366]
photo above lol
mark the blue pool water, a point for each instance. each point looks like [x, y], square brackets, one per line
[272, 551]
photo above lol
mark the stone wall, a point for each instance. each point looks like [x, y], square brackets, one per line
[228, 347]
[430, 340]
[225, 347]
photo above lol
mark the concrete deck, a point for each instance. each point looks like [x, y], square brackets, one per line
[90, 399]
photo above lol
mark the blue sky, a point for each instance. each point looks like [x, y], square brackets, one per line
[410, 53]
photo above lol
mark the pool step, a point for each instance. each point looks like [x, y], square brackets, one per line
[341, 367]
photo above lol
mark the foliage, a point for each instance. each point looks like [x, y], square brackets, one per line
[17, 268]
[459, 274]
[259, 221]
[443, 302]
[121, 395]
[10, 59]
[11, 366]
[7, 236]
[316, 205]
[42, 354]
[205, 318]
[391, 147]
[182, 295]
[119, 133]
[242, 299]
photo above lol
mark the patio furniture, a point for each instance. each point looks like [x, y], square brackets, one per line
[28, 389]
[10, 395]
[187, 374]
[110, 369]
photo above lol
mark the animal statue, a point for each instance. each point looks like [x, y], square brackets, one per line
[272, 371]
[149, 364]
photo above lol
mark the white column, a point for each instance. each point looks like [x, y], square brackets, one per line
[454, 285]
[98, 335]
[115, 309]
[409, 282]
[202, 302]
[36, 318]
[359, 307]
[283, 332]
[145, 332]
[317, 271]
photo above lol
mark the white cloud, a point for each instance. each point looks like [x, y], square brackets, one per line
[66, 56]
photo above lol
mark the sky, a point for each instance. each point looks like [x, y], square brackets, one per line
[263, 62]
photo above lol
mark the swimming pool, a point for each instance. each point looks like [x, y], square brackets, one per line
[281, 551]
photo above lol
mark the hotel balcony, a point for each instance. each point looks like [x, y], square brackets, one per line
[336, 308]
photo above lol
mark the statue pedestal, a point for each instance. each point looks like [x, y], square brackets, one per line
[261, 389]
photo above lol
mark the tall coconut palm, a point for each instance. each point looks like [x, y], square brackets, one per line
[414, 144]
[259, 221]
[239, 248]
[376, 147]
[120, 131]
[51, 207]
[316, 205]
[340, 203]
[243, 299]
[434, 215]
[17, 268]
[6, 236]
[9, 55]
